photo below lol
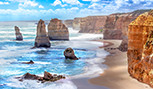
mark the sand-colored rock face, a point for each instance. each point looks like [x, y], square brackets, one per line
[18, 34]
[68, 23]
[42, 40]
[140, 48]
[57, 30]
[92, 24]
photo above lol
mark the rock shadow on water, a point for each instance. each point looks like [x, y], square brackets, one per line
[69, 61]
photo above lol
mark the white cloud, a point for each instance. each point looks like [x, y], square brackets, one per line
[58, 2]
[92, 0]
[18, 0]
[72, 2]
[95, 6]
[40, 6]
[28, 3]
[4, 3]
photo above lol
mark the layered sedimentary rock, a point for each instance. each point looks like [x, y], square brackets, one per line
[113, 34]
[140, 48]
[18, 34]
[120, 22]
[98, 24]
[68, 23]
[42, 39]
[69, 54]
[92, 24]
[57, 30]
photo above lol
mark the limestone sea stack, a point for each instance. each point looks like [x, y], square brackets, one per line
[69, 54]
[140, 48]
[42, 39]
[57, 30]
[18, 34]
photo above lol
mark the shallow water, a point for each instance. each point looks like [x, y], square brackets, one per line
[13, 53]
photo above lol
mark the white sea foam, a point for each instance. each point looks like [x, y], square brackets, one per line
[94, 67]
[82, 44]
[71, 31]
[3, 61]
[32, 84]
[13, 32]
[87, 37]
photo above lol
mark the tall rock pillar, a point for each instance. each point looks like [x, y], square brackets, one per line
[42, 39]
[18, 34]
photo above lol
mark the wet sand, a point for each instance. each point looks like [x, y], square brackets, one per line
[116, 76]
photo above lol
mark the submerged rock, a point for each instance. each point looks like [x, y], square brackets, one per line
[30, 76]
[31, 62]
[42, 40]
[57, 30]
[18, 34]
[69, 54]
[140, 48]
[47, 77]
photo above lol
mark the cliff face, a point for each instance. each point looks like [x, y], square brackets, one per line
[57, 30]
[92, 24]
[114, 26]
[140, 48]
[68, 23]
[42, 40]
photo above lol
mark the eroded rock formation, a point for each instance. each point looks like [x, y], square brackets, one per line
[69, 54]
[18, 34]
[42, 39]
[47, 77]
[57, 30]
[140, 48]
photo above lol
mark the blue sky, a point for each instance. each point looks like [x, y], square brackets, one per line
[15, 10]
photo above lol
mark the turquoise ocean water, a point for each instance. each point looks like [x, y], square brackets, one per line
[12, 53]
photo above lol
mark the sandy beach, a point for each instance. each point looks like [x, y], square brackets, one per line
[117, 76]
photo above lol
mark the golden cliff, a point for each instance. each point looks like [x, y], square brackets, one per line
[140, 48]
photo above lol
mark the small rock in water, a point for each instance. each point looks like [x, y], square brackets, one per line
[31, 62]
[69, 54]
[47, 77]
